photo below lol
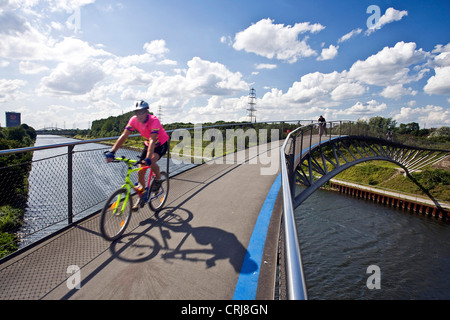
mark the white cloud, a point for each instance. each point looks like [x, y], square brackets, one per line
[226, 40]
[156, 48]
[72, 49]
[443, 59]
[364, 109]
[389, 66]
[266, 66]
[439, 83]
[167, 62]
[9, 89]
[202, 77]
[312, 86]
[324, 87]
[397, 91]
[271, 40]
[312, 94]
[328, 53]
[72, 78]
[213, 78]
[218, 108]
[27, 67]
[350, 35]
[32, 45]
[390, 16]
[12, 24]
[440, 48]
[67, 5]
[347, 91]
[26, 44]
[431, 116]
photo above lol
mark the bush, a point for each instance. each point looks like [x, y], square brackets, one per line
[10, 218]
[10, 221]
[8, 244]
[432, 178]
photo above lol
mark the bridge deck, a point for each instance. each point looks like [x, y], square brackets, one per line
[193, 249]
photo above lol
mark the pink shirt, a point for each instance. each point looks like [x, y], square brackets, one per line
[151, 126]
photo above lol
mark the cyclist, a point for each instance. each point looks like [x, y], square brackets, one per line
[156, 143]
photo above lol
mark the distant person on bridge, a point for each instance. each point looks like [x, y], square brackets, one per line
[156, 143]
[389, 135]
[322, 126]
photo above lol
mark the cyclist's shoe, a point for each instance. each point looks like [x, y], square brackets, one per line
[140, 202]
[156, 185]
[137, 204]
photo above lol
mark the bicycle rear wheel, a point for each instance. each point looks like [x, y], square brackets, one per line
[115, 215]
[159, 198]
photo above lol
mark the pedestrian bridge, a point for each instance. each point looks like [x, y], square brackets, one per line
[217, 238]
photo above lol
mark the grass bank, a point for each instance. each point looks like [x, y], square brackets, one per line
[390, 176]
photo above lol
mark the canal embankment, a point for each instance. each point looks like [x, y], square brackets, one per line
[414, 203]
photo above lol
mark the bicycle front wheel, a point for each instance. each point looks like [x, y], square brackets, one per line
[116, 215]
[159, 197]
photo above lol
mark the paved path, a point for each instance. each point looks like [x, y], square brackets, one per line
[196, 248]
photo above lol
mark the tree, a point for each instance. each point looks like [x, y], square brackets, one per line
[441, 132]
[410, 128]
[383, 123]
[16, 133]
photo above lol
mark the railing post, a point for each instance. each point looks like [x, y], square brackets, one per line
[331, 128]
[168, 157]
[70, 184]
[292, 167]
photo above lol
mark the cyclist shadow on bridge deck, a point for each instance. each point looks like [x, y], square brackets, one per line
[210, 245]
[173, 224]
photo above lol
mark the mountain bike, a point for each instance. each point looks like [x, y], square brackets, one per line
[117, 211]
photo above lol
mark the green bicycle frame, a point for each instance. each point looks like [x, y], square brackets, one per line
[128, 183]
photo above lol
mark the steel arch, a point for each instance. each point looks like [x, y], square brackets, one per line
[321, 162]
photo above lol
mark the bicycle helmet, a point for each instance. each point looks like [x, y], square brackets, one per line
[141, 104]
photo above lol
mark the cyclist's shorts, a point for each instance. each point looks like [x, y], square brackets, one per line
[161, 150]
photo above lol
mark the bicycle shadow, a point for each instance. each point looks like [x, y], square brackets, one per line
[174, 222]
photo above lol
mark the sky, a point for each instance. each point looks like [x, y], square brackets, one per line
[66, 63]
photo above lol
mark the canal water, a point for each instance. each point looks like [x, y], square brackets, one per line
[340, 238]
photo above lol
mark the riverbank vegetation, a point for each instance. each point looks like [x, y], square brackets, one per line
[114, 126]
[14, 171]
[375, 173]
[386, 175]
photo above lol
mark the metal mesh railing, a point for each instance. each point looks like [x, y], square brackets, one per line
[70, 181]
[64, 185]
[48, 205]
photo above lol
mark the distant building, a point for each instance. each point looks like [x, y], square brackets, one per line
[12, 119]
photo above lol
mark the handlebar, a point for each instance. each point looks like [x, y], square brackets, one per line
[126, 160]
[130, 162]
[123, 159]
